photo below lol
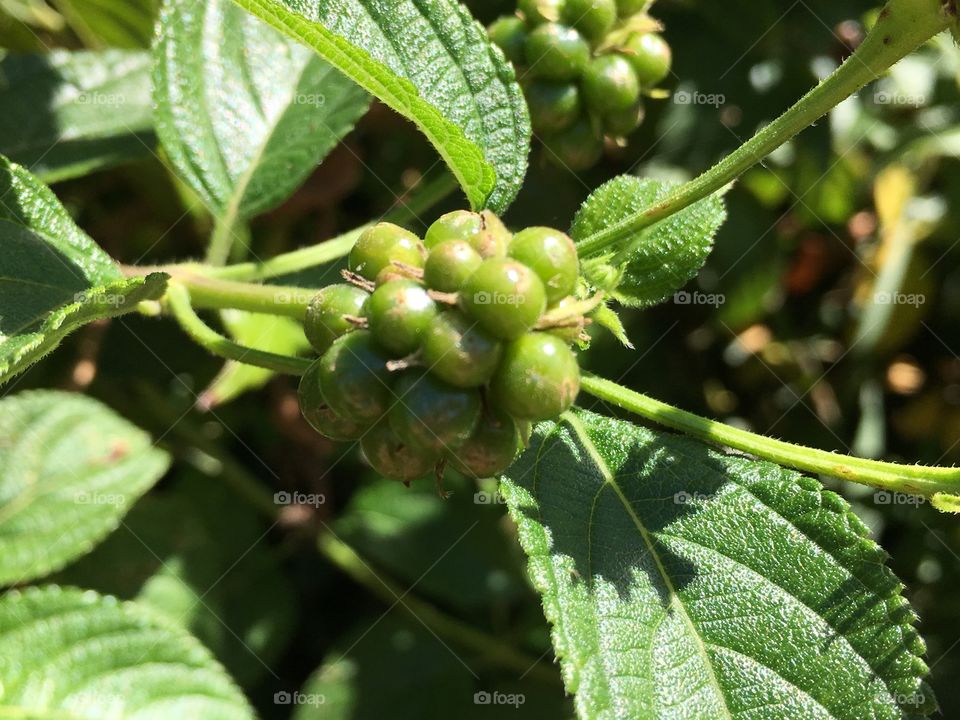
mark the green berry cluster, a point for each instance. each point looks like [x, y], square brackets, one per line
[440, 350]
[586, 66]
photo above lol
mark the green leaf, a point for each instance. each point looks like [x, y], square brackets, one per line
[274, 333]
[66, 114]
[200, 558]
[244, 113]
[433, 63]
[684, 582]
[70, 469]
[68, 654]
[659, 260]
[114, 23]
[53, 278]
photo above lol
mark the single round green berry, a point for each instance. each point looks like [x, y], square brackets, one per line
[483, 230]
[324, 320]
[538, 12]
[505, 296]
[383, 244]
[394, 458]
[538, 378]
[509, 33]
[491, 448]
[650, 56]
[557, 52]
[623, 122]
[398, 314]
[593, 18]
[450, 264]
[458, 351]
[553, 106]
[610, 84]
[629, 8]
[431, 414]
[552, 255]
[354, 378]
[322, 417]
[576, 148]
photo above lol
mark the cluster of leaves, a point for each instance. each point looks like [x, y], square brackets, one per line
[664, 568]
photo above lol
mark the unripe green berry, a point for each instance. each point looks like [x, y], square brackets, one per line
[538, 378]
[458, 351]
[354, 378]
[324, 320]
[491, 448]
[450, 264]
[483, 230]
[553, 106]
[650, 56]
[610, 85]
[394, 458]
[593, 18]
[383, 244]
[622, 123]
[509, 33]
[576, 148]
[629, 8]
[505, 296]
[557, 52]
[322, 418]
[552, 255]
[538, 12]
[431, 414]
[399, 313]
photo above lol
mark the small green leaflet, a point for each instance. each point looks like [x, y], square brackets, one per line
[433, 63]
[73, 655]
[244, 113]
[684, 582]
[70, 469]
[66, 113]
[660, 259]
[53, 278]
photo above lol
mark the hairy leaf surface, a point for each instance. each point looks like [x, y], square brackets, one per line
[433, 63]
[70, 469]
[74, 655]
[660, 259]
[682, 582]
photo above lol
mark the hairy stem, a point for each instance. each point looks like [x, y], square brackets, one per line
[902, 27]
[429, 195]
[179, 301]
[914, 479]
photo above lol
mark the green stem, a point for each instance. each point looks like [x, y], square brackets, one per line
[914, 479]
[903, 26]
[429, 195]
[347, 560]
[225, 232]
[179, 301]
[213, 293]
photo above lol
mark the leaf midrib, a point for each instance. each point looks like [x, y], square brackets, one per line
[675, 599]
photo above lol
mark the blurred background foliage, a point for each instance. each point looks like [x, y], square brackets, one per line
[827, 315]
